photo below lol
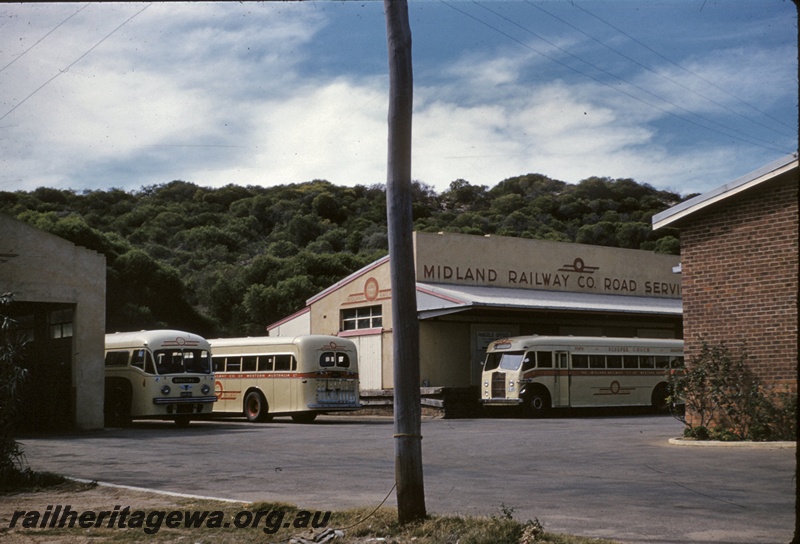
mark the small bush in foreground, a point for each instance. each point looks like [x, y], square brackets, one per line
[726, 401]
[12, 375]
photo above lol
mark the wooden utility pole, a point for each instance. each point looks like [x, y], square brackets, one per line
[796, 538]
[405, 329]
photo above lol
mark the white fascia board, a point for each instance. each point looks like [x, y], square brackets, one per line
[737, 186]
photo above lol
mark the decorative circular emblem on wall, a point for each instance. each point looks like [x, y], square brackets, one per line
[614, 387]
[371, 289]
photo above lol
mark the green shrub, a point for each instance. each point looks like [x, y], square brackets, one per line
[722, 393]
[12, 374]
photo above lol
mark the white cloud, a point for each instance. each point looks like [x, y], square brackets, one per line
[335, 131]
[222, 93]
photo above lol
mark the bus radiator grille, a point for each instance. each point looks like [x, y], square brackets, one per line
[498, 385]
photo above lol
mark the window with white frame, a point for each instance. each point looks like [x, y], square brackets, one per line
[368, 317]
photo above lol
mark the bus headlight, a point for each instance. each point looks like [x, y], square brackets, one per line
[165, 390]
[205, 389]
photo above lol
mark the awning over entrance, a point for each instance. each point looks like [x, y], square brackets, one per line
[435, 300]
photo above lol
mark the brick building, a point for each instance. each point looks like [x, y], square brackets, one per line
[739, 266]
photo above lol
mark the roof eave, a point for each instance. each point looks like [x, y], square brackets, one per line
[753, 179]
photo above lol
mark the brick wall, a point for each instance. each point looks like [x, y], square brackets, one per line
[739, 276]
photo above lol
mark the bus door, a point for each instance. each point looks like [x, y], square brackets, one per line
[561, 379]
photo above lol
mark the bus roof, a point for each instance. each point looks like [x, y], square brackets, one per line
[524, 342]
[161, 338]
[254, 341]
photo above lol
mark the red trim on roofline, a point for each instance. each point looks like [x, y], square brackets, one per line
[348, 279]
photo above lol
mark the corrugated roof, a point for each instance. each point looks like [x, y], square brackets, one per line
[743, 183]
[440, 299]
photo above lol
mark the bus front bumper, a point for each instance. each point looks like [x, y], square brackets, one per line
[183, 400]
[501, 402]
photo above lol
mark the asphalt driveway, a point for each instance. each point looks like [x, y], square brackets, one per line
[600, 476]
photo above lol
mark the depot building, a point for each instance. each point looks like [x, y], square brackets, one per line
[58, 312]
[472, 290]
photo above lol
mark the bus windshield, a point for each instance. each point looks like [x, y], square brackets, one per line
[509, 360]
[179, 361]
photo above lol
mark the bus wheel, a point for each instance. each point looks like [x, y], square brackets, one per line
[537, 404]
[118, 408]
[304, 417]
[183, 421]
[255, 407]
[659, 399]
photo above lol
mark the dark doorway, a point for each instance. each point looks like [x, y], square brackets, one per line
[47, 394]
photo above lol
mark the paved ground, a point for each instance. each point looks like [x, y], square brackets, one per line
[609, 476]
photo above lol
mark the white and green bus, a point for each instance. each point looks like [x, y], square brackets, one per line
[158, 374]
[537, 373]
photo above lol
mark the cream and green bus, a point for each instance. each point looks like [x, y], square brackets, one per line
[301, 376]
[537, 373]
[158, 374]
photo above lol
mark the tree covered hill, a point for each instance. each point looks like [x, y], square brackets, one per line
[228, 261]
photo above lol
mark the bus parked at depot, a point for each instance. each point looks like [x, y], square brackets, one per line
[537, 373]
[158, 374]
[301, 376]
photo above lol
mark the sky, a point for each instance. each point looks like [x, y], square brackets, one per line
[684, 95]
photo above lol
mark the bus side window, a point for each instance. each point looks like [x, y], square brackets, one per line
[647, 361]
[630, 361]
[614, 361]
[662, 361]
[265, 363]
[149, 366]
[117, 358]
[139, 356]
[529, 361]
[580, 361]
[283, 363]
[676, 362]
[544, 359]
[597, 361]
[342, 360]
[249, 363]
[218, 364]
[233, 364]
